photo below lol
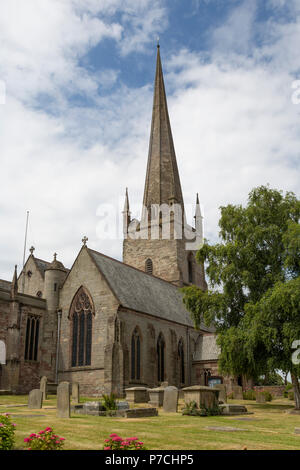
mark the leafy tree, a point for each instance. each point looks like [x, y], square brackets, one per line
[257, 250]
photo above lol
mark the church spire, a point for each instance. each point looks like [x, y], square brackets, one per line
[162, 184]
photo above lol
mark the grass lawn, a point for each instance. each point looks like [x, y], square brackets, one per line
[269, 428]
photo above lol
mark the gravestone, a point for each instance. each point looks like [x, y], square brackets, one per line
[93, 408]
[222, 392]
[75, 392]
[123, 405]
[137, 394]
[43, 387]
[237, 392]
[170, 399]
[35, 399]
[156, 396]
[230, 410]
[202, 395]
[63, 400]
[260, 398]
[297, 430]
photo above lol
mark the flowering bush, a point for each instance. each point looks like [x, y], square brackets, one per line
[44, 440]
[116, 442]
[7, 432]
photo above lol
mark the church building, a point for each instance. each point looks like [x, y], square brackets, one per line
[109, 325]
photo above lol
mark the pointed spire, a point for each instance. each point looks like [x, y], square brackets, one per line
[14, 285]
[126, 205]
[198, 220]
[162, 184]
[126, 215]
[198, 208]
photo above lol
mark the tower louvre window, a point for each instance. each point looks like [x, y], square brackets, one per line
[190, 270]
[149, 266]
[81, 314]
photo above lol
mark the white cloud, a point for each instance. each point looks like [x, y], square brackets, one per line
[233, 121]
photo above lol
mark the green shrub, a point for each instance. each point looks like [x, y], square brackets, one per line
[268, 395]
[109, 402]
[7, 432]
[249, 395]
[287, 389]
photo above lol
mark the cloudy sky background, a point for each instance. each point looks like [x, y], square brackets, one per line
[75, 125]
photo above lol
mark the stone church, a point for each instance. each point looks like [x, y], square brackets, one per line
[106, 324]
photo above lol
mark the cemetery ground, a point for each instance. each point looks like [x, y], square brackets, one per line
[270, 427]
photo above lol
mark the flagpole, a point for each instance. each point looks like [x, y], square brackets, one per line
[25, 243]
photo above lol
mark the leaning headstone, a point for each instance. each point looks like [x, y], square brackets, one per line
[170, 399]
[35, 399]
[237, 392]
[297, 430]
[75, 392]
[43, 387]
[260, 398]
[63, 400]
[222, 392]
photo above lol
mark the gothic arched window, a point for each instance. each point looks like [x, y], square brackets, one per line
[135, 355]
[32, 338]
[149, 266]
[181, 361]
[81, 315]
[190, 269]
[160, 358]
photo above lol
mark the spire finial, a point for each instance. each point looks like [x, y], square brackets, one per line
[31, 250]
[84, 240]
[158, 42]
[55, 256]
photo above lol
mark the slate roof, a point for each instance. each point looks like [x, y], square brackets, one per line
[41, 265]
[142, 292]
[5, 284]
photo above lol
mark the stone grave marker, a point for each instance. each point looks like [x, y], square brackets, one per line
[63, 400]
[35, 399]
[43, 387]
[237, 392]
[170, 402]
[260, 398]
[222, 392]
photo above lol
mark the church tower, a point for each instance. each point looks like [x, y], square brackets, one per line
[162, 243]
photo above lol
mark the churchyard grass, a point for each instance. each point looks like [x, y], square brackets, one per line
[269, 428]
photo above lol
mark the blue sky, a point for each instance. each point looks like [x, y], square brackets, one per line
[75, 125]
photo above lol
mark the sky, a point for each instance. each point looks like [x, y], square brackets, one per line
[76, 90]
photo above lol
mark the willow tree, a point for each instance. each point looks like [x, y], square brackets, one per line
[251, 258]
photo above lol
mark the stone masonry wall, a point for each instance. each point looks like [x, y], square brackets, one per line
[91, 378]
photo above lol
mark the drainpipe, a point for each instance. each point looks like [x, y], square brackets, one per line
[59, 313]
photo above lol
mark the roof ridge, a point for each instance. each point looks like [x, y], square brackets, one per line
[136, 269]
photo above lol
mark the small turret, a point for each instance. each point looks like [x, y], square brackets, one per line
[55, 275]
